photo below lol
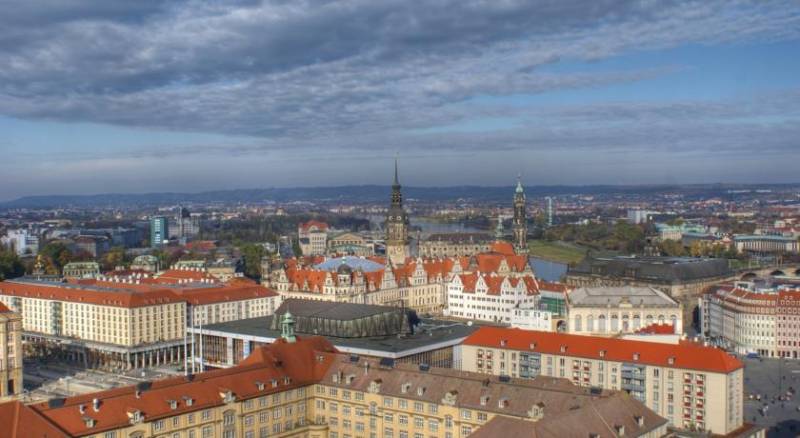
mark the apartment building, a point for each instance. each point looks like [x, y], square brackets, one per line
[750, 319]
[301, 387]
[694, 387]
[10, 353]
[121, 323]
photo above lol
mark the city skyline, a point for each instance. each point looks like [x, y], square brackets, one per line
[191, 96]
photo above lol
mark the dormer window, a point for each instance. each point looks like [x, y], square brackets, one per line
[563, 349]
[602, 353]
[620, 430]
[671, 360]
[287, 380]
[260, 385]
[88, 421]
[635, 356]
[502, 403]
[350, 378]
[484, 400]
[533, 345]
[173, 404]
[227, 396]
[135, 416]
[188, 400]
[274, 383]
[420, 391]
[503, 342]
[404, 389]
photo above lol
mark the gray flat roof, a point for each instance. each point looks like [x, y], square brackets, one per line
[332, 310]
[426, 336]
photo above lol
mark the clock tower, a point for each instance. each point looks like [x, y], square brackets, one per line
[396, 225]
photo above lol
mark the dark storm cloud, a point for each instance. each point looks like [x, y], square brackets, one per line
[366, 74]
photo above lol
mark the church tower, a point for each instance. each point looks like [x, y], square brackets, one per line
[520, 223]
[396, 225]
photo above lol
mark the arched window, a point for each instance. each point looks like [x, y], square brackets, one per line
[674, 320]
[601, 320]
[637, 322]
[648, 320]
[577, 326]
[590, 323]
[614, 323]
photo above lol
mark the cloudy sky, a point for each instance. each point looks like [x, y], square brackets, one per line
[136, 96]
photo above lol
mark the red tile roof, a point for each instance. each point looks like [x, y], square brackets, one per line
[686, 355]
[305, 226]
[129, 295]
[304, 362]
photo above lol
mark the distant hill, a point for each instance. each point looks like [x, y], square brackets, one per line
[360, 194]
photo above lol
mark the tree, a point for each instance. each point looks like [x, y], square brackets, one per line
[671, 247]
[113, 258]
[10, 265]
[251, 255]
[56, 255]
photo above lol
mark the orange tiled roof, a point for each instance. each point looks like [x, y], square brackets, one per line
[305, 226]
[135, 295]
[686, 355]
[303, 363]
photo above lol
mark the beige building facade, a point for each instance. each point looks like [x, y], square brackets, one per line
[303, 388]
[694, 387]
[10, 353]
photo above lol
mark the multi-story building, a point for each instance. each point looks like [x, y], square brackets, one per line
[301, 387]
[766, 244]
[751, 319]
[22, 241]
[683, 278]
[159, 231]
[610, 311]
[787, 324]
[187, 226]
[10, 353]
[695, 387]
[455, 245]
[112, 322]
[416, 283]
[313, 237]
[94, 246]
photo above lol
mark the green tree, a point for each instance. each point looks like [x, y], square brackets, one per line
[56, 255]
[252, 254]
[10, 265]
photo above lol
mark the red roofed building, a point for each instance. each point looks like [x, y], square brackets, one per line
[124, 322]
[748, 320]
[692, 385]
[313, 237]
[302, 387]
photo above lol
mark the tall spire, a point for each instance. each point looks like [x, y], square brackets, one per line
[396, 179]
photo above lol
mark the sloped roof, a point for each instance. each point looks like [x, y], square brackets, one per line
[685, 355]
